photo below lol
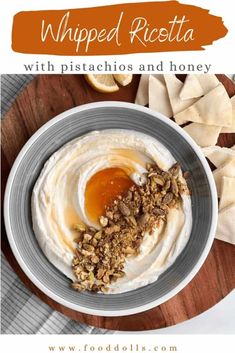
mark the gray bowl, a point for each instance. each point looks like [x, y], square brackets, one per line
[74, 123]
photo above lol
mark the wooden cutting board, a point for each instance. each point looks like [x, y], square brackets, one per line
[44, 98]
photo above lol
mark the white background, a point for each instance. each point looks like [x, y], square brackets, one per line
[220, 54]
[184, 343]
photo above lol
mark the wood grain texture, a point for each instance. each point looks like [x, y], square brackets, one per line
[44, 98]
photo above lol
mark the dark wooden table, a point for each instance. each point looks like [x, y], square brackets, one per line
[44, 98]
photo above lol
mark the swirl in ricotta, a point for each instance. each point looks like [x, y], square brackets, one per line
[59, 202]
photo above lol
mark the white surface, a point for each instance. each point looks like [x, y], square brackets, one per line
[220, 319]
[230, 76]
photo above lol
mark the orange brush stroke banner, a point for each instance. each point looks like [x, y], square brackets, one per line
[116, 29]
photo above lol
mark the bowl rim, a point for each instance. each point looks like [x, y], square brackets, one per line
[203, 255]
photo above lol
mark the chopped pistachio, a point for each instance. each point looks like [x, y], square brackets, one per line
[79, 227]
[100, 256]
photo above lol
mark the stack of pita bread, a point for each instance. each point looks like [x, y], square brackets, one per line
[203, 103]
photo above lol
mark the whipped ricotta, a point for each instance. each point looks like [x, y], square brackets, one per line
[58, 202]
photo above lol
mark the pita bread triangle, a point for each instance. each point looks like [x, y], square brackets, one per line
[203, 135]
[219, 155]
[191, 88]
[208, 82]
[231, 129]
[226, 224]
[227, 169]
[227, 193]
[174, 86]
[158, 95]
[142, 91]
[214, 108]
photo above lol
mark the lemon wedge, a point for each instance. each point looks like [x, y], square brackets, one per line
[123, 79]
[102, 82]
